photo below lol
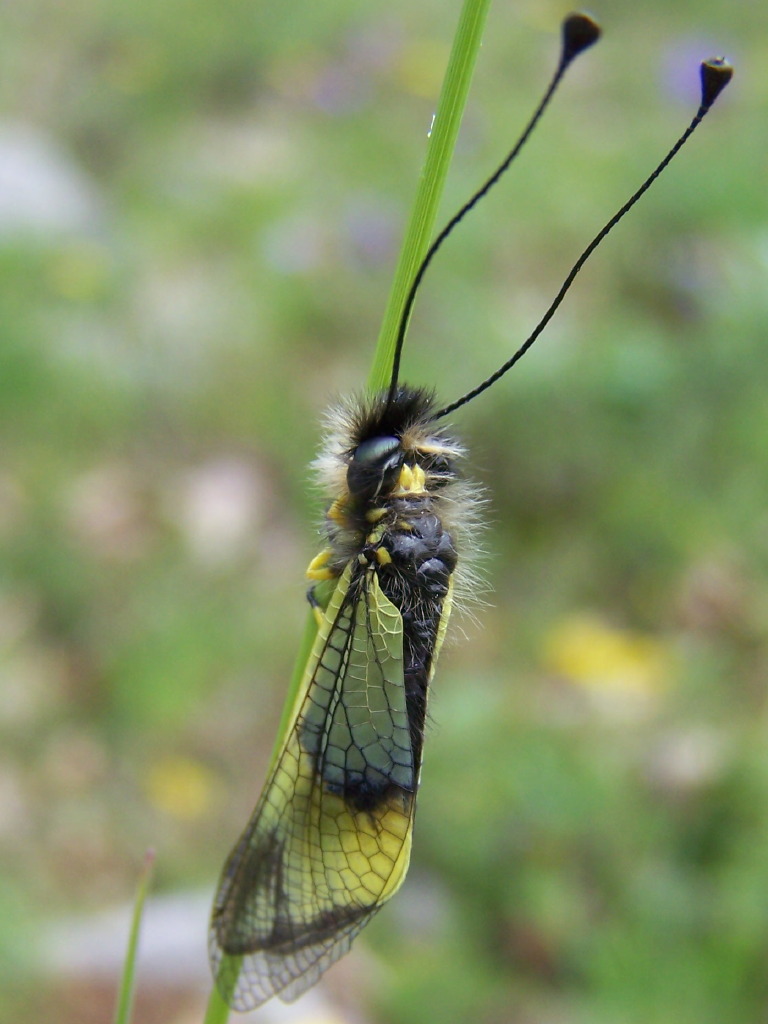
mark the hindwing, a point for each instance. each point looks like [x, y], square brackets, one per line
[330, 838]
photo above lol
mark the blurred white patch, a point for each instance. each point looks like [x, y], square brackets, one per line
[172, 952]
[240, 153]
[689, 758]
[219, 507]
[185, 307]
[42, 190]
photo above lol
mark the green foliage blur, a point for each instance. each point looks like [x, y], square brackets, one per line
[200, 210]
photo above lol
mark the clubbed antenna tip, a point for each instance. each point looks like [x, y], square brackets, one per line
[579, 33]
[716, 73]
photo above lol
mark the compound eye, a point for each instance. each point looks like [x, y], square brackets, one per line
[374, 466]
[376, 449]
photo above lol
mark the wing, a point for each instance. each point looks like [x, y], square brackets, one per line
[330, 838]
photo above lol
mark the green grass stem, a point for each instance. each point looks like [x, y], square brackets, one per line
[440, 146]
[127, 982]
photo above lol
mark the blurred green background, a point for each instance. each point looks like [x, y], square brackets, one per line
[200, 209]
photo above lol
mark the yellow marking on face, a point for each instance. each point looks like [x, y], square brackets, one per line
[318, 568]
[412, 480]
[383, 557]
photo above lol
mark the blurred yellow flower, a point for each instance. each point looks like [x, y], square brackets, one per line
[180, 787]
[590, 653]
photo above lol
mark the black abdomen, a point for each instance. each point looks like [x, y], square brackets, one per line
[417, 582]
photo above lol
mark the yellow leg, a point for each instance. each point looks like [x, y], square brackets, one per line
[318, 567]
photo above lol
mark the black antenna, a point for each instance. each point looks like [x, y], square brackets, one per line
[579, 32]
[716, 73]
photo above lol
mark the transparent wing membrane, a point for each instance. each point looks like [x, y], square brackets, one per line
[329, 841]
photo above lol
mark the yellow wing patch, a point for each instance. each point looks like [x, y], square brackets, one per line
[330, 839]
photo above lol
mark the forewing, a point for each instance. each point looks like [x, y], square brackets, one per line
[330, 838]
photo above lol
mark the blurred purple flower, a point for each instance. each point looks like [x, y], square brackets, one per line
[371, 229]
[341, 90]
